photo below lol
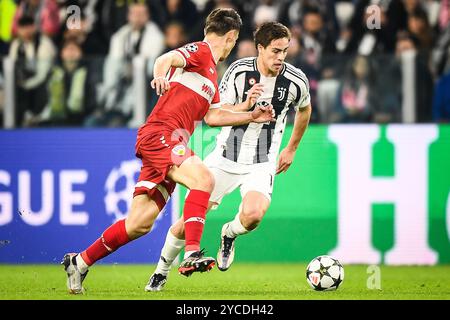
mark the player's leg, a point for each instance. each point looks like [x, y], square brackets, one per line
[143, 213]
[173, 245]
[256, 193]
[193, 174]
[225, 183]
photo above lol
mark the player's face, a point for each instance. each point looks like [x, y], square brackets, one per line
[274, 54]
[230, 42]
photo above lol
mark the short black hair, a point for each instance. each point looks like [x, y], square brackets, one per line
[222, 20]
[269, 31]
[25, 21]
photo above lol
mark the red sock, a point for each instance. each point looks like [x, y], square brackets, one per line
[194, 214]
[112, 239]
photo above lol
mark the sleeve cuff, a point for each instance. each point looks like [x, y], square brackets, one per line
[215, 105]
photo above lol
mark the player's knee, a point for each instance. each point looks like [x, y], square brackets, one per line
[252, 218]
[136, 228]
[178, 230]
[205, 181]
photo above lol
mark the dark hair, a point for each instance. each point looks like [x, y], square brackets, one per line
[25, 21]
[419, 13]
[269, 31]
[222, 20]
[407, 36]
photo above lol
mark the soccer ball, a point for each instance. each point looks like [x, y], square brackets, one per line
[324, 273]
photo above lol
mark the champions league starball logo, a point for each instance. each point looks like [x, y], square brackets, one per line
[119, 187]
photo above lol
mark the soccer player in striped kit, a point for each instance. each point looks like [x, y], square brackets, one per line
[245, 155]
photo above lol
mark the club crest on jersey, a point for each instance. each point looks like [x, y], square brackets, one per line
[192, 47]
[251, 81]
[179, 150]
[281, 92]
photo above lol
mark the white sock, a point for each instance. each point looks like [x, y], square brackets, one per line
[188, 253]
[169, 252]
[235, 228]
[81, 265]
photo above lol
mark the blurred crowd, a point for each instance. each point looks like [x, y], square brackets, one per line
[76, 61]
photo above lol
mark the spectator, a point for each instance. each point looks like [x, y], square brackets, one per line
[298, 57]
[113, 15]
[92, 44]
[420, 28]
[366, 38]
[314, 38]
[266, 11]
[441, 100]
[33, 54]
[440, 63]
[292, 13]
[45, 14]
[444, 14]
[356, 96]
[174, 36]
[140, 37]
[246, 48]
[183, 11]
[7, 11]
[68, 88]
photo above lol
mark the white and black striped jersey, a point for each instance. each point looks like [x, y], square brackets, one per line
[259, 142]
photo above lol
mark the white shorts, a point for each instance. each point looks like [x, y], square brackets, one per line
[226, 182]
[259, 177]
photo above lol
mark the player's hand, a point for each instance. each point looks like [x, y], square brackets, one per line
[285, 160]
[161, 85]
[253, 94]
[263, 114]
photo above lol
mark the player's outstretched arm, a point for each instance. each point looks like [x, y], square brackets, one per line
[221, 117]
[252, 96]
[162, 65]
[300, 124]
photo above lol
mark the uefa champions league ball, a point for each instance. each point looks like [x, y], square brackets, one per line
[324, 273]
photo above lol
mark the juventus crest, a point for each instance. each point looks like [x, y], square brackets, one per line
[281, 93]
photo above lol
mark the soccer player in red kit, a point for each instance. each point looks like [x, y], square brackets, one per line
[186, 80]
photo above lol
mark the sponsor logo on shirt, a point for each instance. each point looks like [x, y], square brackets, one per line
[208, 90]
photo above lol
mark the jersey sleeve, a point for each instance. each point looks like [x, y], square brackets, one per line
[305, 99]
[227, 86]
[194, 55]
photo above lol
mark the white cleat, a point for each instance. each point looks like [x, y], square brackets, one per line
[156, 282]
[225, 256]
[74, 277]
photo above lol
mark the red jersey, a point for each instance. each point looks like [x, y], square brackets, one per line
[193, 90]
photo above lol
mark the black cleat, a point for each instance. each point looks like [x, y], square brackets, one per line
[196, 263]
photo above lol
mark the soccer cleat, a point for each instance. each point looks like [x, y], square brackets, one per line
[74, 277]
[196, 262]
[225, 256]
[156, 282]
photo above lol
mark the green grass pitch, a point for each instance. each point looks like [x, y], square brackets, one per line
[241, 282]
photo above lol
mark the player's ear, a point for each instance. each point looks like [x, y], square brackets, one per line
[231, 35]
[260, 48]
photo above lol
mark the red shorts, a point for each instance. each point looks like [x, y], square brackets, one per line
[159, 152]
